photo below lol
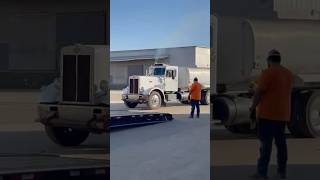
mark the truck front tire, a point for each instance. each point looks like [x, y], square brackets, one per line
[66, 136]
[154, 101]
[130, 104]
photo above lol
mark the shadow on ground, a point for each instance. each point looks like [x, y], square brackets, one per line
[295, 172]
[223, 134]
[37, 142]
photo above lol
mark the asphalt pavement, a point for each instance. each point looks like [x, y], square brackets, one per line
[173, 150]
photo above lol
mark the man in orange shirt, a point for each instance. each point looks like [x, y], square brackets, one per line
[272, 104]
[195, 97]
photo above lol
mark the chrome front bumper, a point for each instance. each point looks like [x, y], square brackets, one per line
[134, 98]
[93, 118]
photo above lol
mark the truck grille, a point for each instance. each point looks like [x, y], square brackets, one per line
[76, 78]
[133, 86]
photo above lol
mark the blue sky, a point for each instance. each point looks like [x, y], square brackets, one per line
[144, 24]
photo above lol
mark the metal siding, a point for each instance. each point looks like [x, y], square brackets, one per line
[29, 29]
[135, 70]
[81, 28]
[33, 48]
[118, 73]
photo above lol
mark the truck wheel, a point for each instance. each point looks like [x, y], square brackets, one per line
[305, 120]
[155, 100]
[313, 115]
[205, 99]
[66, 136]
[130, 104]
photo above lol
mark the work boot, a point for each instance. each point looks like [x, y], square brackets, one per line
[259, 176]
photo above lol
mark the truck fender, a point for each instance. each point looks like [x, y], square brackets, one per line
[159, 91]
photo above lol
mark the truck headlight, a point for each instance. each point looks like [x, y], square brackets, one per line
[141, 90]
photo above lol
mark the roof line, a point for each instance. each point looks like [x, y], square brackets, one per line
[161, 48]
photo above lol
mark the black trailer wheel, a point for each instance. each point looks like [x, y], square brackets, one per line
[155, 100]
[66, 136]
[305, 117]
[205, 97]
[130, 104]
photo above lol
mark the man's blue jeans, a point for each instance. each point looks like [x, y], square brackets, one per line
[267, 131]
[195, 104]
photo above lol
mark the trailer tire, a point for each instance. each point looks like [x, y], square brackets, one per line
[305, 121]
[205, 97]
[130, 104]
[66, 136]
[155, 100]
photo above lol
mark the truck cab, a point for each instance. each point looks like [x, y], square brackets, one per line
[169, 74]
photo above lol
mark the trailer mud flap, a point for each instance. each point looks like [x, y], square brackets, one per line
[138, 120]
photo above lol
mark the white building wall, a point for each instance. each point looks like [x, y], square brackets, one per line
[202, 57]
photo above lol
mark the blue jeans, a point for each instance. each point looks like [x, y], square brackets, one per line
[195, 104]
[267, 131]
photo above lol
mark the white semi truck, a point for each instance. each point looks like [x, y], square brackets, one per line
[79, 104]
[164, 83]
[240, 46]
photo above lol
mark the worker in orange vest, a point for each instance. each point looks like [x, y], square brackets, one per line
[195, 97]
[272, 104]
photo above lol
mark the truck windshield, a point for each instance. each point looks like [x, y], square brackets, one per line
[159, 71]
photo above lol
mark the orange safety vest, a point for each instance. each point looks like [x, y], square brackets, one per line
[195, 91]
